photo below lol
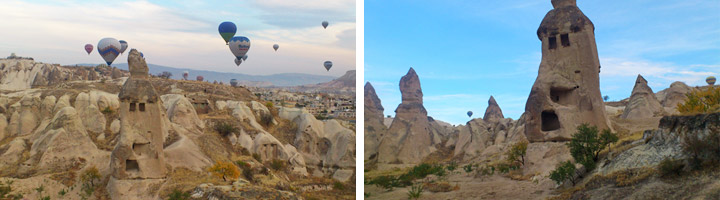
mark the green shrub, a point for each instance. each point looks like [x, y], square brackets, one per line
[586, 144]
[178, 195]
[669, 166]
[337, 185]
[107, 110]
[5, 189]
[277, 164]
[418, 172]
[415, 191]
[563, 172]
[257, 157]
[703, 150]
[452, 166]
[266, 119]
[386, 182]
[468, 168]
[224, 128]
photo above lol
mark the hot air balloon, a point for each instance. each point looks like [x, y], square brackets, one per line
[227, 30]
[185, 75]
[238, 61]
[109, 49]
[123, 46]
[710, 80]
[327, 65]
[469, 113]
[276, 46]
[199, 78]
[239, 46]
[325, 24]
[142, 55]
[245, 57]
[88, 48]
[233, 82]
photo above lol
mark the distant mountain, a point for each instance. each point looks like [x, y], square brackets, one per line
[281, 80]
[343, 84]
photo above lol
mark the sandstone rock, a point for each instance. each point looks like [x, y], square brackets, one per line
[3, 126]
[13, 153]
[243, 113]
[296, 160]
[374, 127]
[493, 112]
[244, 140]
[185, 153]
[62, 102]
[25, 116]
[62, 140]
[566, 92]
[269, 147]
[409, 138]
[181, 111]
[343, 175]
[134, 188]
[643, 103]
[115, 126]
[674, 95]
[93, 119]
[139, 150]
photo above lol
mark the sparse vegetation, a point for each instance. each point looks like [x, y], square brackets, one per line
[703, 150]
[40, 189]
[701, 101]
[247, 170]
[178, 195]
[107, 110]
[418, 172]
[415, 191]
[586, 144]
[442, 186]
[337, 185]
[468, 168]
[517, 152]
[225, 170]
[266, 119]
[277, 164]
[6, 189]
[256, 157]
[165, 75]
[90, 175]
[452, 166]
[563, 172]
[670, 166]
[224, 128]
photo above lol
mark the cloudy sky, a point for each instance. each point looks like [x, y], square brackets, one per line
[183, 33]
[464, 51]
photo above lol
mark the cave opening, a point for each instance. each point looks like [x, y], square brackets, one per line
[550, 121]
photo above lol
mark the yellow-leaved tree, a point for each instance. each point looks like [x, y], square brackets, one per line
[225, 170]
[701, 101]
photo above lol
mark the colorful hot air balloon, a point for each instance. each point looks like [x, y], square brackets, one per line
[109, 49]
[325, 24]
[88, 48]
[123, 46]
[238, 61]
[245, 57]
[233, 82]
[142, 55]
[239, 46]
[327, 65]
[227, 30]
[710, 80]
[276, 46]
[185, 75]
[199, 78]
[469, 113]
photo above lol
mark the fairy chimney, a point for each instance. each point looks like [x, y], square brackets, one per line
[566, 92]
[139, 151]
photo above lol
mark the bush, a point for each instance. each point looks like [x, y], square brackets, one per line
[89, 176]
[517, 152]
[224, 128]
[701, 101]
[703, 150]
[5, 189]
[165, 75]
[337, 185]
[277, 164]
[452, 166]
[418, 172]
[563, 172]
[107, 110]
[266, 119]
[269, 105]
[669, 166]
[179, 195]
[224, 170]
[415, 191]
[585, 145]
[256, 157]
[386, 182]
[468, 168]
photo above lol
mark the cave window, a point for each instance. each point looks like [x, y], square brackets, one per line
[565, 40]
[559, 95]
[132, 107]
[552, 42]
[131, 166]
[550, 121]
[142, 107]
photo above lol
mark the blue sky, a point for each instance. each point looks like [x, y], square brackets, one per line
[183, 33]
[465, 50]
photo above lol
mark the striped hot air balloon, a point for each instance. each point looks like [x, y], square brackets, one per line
[123, 46]
[239, 46]
[227, 30]
[710, 80]
[109, 49]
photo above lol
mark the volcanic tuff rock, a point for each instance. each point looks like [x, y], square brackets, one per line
[672, 96]
[493, 111]
[566, 92]
[410, 137]
[374, 127]
[643, 103]
[21, 74]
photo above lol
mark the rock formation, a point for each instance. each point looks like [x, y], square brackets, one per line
[672, 96]
[374, 127]
[139, 151]
[410, 137]
[493, 111]
[21, 74]
[566, 92]
[642, 103]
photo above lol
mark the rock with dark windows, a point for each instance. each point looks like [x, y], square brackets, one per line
[566, 92]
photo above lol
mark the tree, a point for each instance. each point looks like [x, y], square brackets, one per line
[585, 145]
[701, 101]
[225, 170]
[564, 171]
[606, 97]
[517, 152]
[165, 74]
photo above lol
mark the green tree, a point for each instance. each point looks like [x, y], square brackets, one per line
[607, 138]
[517, 152]
[564, 171]
[586, 144]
